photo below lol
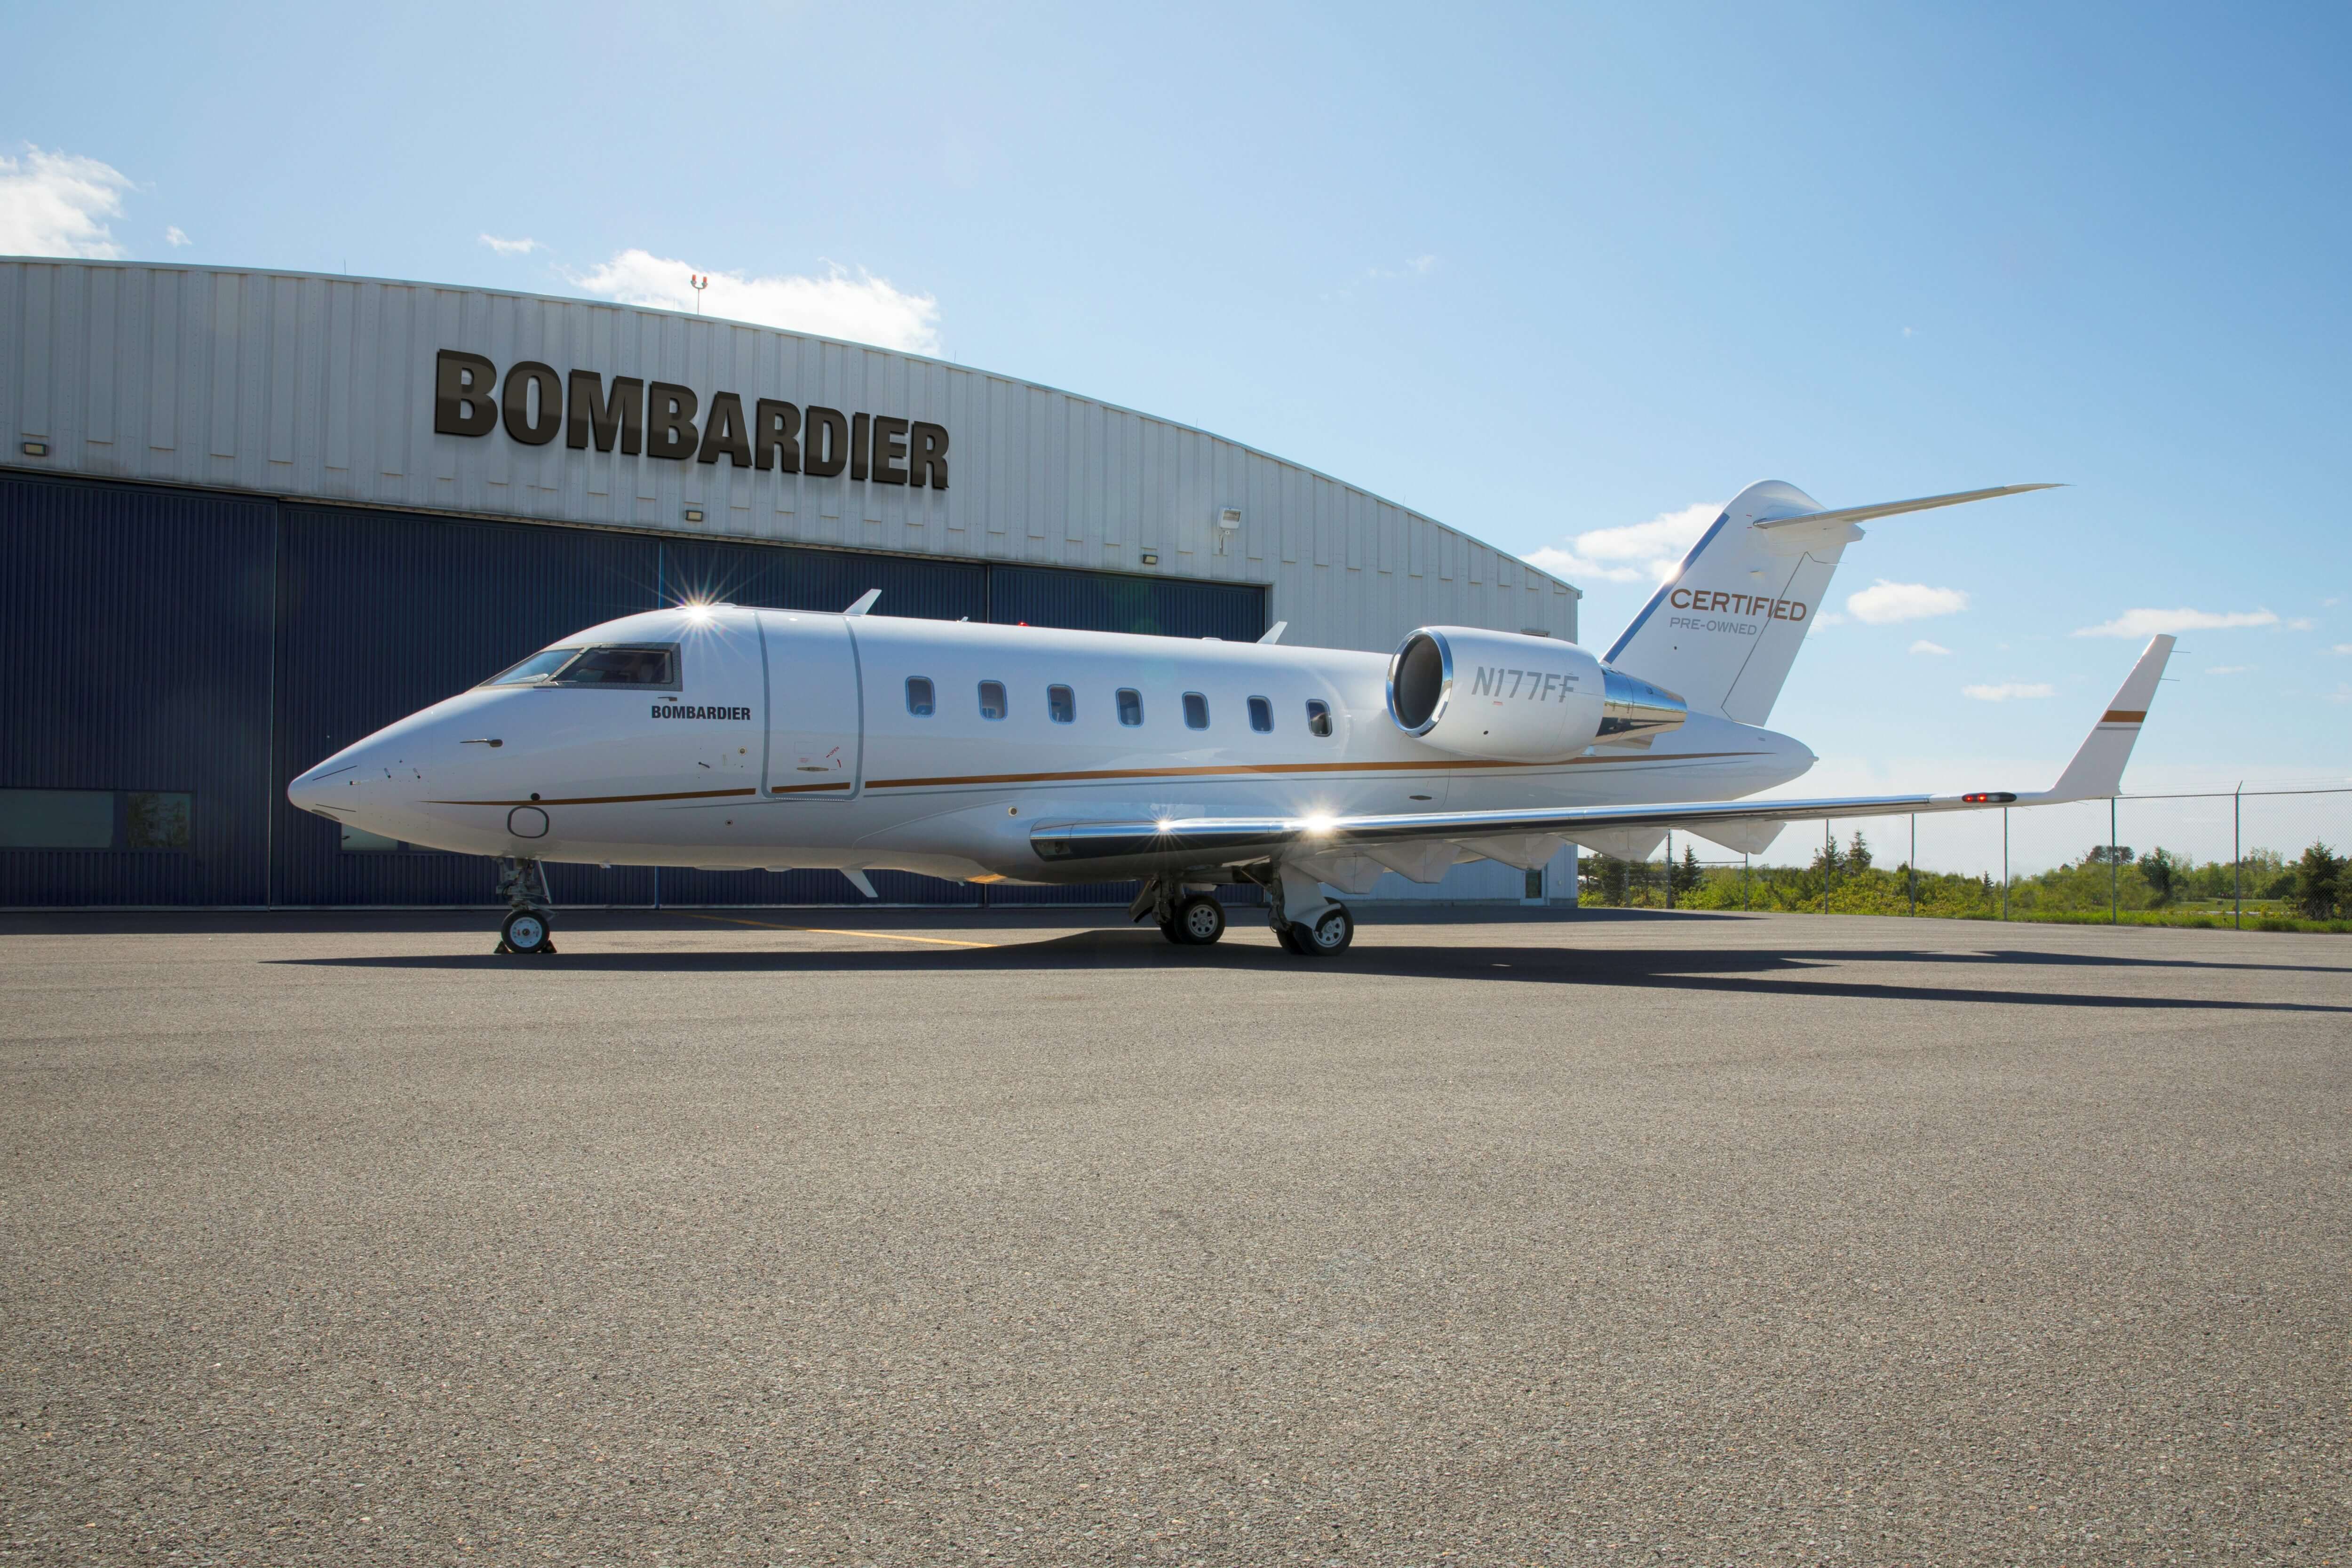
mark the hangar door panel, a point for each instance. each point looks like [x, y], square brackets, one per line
[815, 752]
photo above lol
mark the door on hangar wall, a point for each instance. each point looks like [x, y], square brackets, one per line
[134, 750]
[383, 613]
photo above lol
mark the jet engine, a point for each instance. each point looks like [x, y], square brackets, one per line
[1503, 697]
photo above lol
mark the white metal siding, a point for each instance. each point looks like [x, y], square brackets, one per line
[321, 387]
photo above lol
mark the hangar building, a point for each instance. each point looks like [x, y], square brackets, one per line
[247, 517]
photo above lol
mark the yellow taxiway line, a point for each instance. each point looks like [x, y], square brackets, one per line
[829, 930]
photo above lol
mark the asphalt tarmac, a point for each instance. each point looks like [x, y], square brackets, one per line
[714, 1239]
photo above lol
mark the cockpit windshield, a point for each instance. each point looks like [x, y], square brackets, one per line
[624, 665]
[535, 668]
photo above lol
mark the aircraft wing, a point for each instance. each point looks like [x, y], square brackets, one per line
[2095, 772]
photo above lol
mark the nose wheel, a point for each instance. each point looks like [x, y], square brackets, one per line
[525, 932]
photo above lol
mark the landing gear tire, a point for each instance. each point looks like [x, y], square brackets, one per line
[525, 931]
[1329, 936]
[1169, 930]
[1288, 936]
[1200, 921]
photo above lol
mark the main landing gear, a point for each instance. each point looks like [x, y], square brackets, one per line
[1194, 919]
[525, 931]
[1186, 919]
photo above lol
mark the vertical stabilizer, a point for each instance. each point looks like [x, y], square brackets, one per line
[1723, 631]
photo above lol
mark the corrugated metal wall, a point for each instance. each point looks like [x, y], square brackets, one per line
[136, 625]
[171, 640]
[1098, 602]
[321, 388]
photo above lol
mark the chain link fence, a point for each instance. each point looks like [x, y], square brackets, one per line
[2253, 858]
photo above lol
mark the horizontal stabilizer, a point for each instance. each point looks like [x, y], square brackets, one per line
[1895, 507]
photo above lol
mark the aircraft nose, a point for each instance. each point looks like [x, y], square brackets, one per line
[327, 786]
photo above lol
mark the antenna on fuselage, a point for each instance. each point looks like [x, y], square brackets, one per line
[865, 602]
[1274, 633]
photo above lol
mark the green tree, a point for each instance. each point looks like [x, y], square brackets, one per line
[2165, 873]
[1686, 877]
[2318, 882]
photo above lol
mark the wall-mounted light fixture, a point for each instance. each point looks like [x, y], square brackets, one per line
[1151, 557]
[694, 514]
[35, 448]
[1230, 518]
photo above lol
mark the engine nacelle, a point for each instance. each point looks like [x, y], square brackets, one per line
[1503, 697]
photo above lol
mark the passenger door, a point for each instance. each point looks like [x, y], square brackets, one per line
[815, 745]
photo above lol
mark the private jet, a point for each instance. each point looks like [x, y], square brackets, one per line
[726, 736]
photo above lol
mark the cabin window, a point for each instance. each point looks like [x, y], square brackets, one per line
[1130, 705]
[1061, 704]
[1261, 715]
[535, 668]
[920, 700]
[991, 699]
[622, 666]
[1196, 711]
[1318, 718]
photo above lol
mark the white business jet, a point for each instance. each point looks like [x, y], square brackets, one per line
[726, 737]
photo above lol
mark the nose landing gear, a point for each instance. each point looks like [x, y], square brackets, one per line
[525, 931]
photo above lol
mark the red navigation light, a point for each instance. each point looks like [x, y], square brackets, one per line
[1990, 797]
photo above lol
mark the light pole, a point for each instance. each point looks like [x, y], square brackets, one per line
[2115, 898]
[700, 283]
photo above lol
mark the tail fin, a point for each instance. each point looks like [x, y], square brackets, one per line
[1723, 631]
[2097, 769]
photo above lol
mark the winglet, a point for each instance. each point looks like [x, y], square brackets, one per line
[865, 602]
[2097, 769]
[1274, 633]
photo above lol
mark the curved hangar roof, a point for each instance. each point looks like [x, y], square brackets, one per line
[473, 401]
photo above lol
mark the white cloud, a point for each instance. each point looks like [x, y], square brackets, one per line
[2342, 647]
[2229, 670]
[864, 308]
[2008, 690]
[2341, 694]
[2300, 624]
[54, 204]
[2147, 623]
[177, 236]
[1924, 645]
[510, 247]
[1829, 618]
[1637, 552]
[1884, 603]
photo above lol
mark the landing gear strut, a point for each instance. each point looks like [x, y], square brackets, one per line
[525, 931]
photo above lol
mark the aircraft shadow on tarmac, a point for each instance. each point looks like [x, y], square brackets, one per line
[1746, 970]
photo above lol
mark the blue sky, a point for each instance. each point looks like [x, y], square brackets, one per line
[1565, 279]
